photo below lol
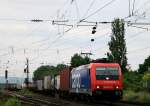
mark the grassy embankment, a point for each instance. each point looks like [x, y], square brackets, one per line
[8, 101]
[133, 88]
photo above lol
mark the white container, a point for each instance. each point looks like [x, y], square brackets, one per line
[39, 84]
[57, 82]
[47, 82]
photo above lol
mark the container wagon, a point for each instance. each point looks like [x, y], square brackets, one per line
[64, 82]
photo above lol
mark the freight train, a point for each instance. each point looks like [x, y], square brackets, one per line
[91, 80]
[10, 86]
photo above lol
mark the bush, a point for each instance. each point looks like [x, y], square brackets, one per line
[136, 96]
[146, 80]
[26, 92]
[13, 102]
[132, 81]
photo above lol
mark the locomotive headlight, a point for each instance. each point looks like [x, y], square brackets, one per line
[97, 87]
[117, 87]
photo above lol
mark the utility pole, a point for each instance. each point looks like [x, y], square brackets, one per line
[26, 70]
[6, 77]
[129, 9]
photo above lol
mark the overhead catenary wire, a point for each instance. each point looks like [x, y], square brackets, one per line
[145, 3]
[139, 27]
[56, 39]
[98, 10]
[52, 42]
[90, 6]
[77, 9]
[62, 49]
[139, 49]
[135, 35]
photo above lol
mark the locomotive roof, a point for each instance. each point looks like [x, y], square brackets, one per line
[82, 67]
[87, 66]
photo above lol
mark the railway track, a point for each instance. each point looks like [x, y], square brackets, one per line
[32, 101]
[41, 100]
[119, 103]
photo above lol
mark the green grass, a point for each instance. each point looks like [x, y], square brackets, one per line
[12, 102]
[26, 92]
[141, 96]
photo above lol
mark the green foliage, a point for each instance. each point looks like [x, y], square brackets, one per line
[132, 81]
[146, 77]
[146, 81]
[25, 91]
[78, 60]
[145, 66]
[59, 67]
[47, 70]
[13, 102]
[43, 71]
[133, 96]
[117, 45]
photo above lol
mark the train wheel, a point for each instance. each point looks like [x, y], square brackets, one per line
[88, 99]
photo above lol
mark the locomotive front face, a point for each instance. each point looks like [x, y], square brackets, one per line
[106, 77]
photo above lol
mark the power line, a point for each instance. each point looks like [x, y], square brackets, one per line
[135, 35]
[90, 6]
[145, 3]
[138, 23]
[77, 9]
[139, 27]
[98, 10]
[67, 48]
[145, 48]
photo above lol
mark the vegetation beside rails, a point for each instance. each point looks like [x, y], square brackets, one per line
[141, 96]
[134, 89]
[6, 100]
[133, 81]
[26, 91]
[12, 102]
[3, 98]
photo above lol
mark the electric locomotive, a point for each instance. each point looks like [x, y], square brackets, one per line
[97, 79]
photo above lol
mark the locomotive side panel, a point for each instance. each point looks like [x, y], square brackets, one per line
[80, 80]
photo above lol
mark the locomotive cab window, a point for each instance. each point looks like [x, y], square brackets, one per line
[107, 73]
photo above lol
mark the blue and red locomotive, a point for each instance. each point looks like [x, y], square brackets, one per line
[97, 79]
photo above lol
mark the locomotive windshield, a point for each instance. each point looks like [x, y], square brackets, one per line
[107, 73]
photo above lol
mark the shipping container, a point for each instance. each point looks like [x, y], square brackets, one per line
[57, 82]
[80, 80]
[53, 83]
[19, 86]
[65, 79]
[47, 82]
[39, 84]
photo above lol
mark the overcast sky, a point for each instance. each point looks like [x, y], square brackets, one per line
[44, 43]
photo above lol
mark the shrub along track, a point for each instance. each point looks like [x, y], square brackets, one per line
[41, 100]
